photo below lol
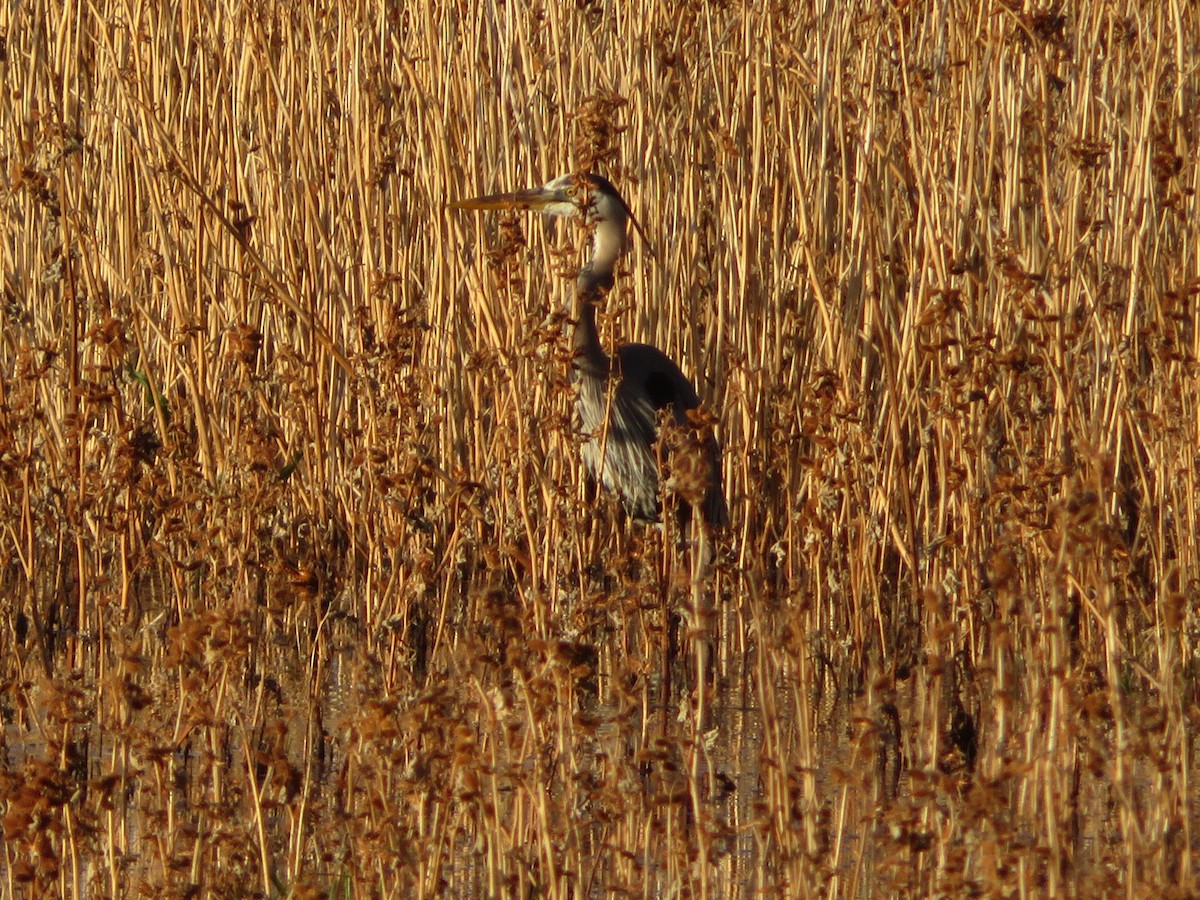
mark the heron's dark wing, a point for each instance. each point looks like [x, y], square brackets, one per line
[649, 372]
[651, 382]
[660, 390]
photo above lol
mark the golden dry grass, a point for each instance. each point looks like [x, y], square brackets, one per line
[301, 592]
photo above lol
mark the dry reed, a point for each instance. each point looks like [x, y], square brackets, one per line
[302, 591]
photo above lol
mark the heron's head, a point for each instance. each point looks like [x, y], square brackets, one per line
[589, 198]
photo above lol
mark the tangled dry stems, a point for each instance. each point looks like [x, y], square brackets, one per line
[302, 591]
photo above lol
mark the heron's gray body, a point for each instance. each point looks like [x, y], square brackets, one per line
[619, 406]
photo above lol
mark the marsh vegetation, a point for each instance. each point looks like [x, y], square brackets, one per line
[301, 590]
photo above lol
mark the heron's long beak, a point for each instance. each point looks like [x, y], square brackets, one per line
[537, 199]
[556, 202]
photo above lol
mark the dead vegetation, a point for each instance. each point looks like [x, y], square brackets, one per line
[303, 594]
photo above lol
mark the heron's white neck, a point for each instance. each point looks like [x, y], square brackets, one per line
[608, 242]
[595, 280]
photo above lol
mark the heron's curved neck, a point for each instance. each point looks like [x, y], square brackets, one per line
[595, 280]
[608, 241]
[590, 289]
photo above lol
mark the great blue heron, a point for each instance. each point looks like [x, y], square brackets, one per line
[620, 399]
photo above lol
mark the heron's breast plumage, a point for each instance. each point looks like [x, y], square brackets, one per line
[619, 433]
[618, 408]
